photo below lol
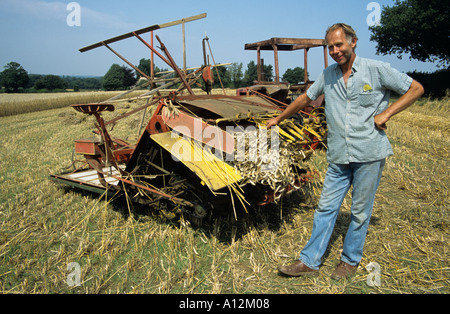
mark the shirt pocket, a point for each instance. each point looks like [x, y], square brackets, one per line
[367, 99]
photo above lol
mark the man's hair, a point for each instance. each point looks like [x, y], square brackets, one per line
[348, 30]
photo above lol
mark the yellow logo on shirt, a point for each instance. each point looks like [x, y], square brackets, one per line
[367, 88]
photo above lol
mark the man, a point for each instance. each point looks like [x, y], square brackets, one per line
[357, 93]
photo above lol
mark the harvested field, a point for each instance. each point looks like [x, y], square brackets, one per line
[44, 227]
[12, 104]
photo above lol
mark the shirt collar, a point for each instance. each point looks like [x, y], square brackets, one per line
[355, 66]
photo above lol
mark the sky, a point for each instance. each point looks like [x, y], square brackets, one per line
[37, 35]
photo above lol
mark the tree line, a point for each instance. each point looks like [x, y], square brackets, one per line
[231, 76]
[14, 78]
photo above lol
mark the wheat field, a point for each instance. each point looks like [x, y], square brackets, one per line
[46, 227]
[12, 104]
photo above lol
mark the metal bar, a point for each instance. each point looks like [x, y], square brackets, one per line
[154, 91]
[80, 185]
[258, 67]
[191, 79]
[184, 45]
[174, 66]
[205, 60]
[214, 62]
[196, 68]
[142, 31]
[127, 92]
[108, 143]
[151, 92]
[306, 65]
[152, 58]
[153, 49]
[169, 197]
[130, 112]
[128, 62]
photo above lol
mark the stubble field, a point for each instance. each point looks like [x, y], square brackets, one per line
[44, 227]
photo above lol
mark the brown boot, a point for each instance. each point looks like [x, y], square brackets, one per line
[343, 270]
[297, 269]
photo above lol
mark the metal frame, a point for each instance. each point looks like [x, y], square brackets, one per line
[286, 44]
[169, 61]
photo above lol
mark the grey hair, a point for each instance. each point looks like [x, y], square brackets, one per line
[348, 30]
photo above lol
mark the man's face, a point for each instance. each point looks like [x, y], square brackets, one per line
[339, 47]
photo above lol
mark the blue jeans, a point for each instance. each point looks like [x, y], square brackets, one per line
[365, 178]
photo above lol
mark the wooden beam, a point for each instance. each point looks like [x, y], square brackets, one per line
[277, 68]
[142, 31]
[286, 44]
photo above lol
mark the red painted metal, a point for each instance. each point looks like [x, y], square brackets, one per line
[87, 146]
[197, 129]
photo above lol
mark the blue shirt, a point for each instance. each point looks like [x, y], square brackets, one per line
[350, 111]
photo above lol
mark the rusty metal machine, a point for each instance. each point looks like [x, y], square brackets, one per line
[197, 154]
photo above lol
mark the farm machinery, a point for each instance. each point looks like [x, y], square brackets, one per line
[197, 154]
[284, 92]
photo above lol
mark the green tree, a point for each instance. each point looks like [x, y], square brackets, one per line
[83, 83]
[224, 77]
[13, 77]
[113, 79]
[236, 74]
[50, 82]
[33, 78]
[294, 76]
[144, 66]
[129, 78]
[418, 27]
[251, 74]
[268, 72]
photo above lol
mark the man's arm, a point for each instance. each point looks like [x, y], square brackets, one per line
[300, 103]
[415, 91]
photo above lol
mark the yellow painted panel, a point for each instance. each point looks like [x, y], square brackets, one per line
[213, 171]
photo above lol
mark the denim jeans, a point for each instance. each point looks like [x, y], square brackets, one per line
[365, 178]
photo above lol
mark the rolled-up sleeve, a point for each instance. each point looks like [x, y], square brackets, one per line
[317, 88]
[393, 79]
